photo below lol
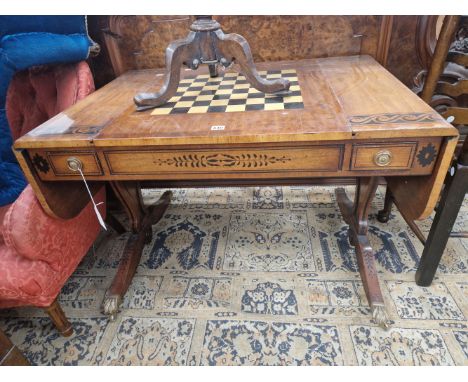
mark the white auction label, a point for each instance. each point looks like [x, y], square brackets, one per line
[218, 127]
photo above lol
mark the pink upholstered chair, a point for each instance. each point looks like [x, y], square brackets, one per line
[38, 253]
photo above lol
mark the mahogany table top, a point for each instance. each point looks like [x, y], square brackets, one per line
[346, 117]
[343, 98]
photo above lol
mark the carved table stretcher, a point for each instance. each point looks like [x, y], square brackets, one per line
[345, 117]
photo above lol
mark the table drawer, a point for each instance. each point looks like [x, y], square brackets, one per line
[190, 162]
[57, 163]
[383, 156]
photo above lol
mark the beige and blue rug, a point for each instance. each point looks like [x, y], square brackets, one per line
[257, 276]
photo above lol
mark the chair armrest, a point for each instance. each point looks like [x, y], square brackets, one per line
[35, 235]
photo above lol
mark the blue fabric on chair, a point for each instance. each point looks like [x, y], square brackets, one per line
[27, 41]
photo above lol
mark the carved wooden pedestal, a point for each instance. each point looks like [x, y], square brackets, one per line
[207, 44]
[356, 214]
[141, 219]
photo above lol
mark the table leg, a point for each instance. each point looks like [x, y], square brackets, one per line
[356, 215]
[384, 214]
[141, 220]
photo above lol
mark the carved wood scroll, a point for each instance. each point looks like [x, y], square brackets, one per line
[207, 44]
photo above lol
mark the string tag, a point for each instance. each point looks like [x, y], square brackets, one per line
[98, 214]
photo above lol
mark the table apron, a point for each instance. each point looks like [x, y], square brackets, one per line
[330, 159]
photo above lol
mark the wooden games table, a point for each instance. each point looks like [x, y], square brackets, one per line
[345, 117]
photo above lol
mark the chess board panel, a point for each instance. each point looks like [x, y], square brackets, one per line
[230, 93]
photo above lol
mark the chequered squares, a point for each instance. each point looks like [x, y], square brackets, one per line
[229, 93]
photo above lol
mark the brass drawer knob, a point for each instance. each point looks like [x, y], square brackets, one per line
[74, 164]
[383, 158]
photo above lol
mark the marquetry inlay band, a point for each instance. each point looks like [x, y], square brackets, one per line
[378, 119]
[223, 160]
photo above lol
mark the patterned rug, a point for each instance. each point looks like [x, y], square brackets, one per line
[257, 276]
